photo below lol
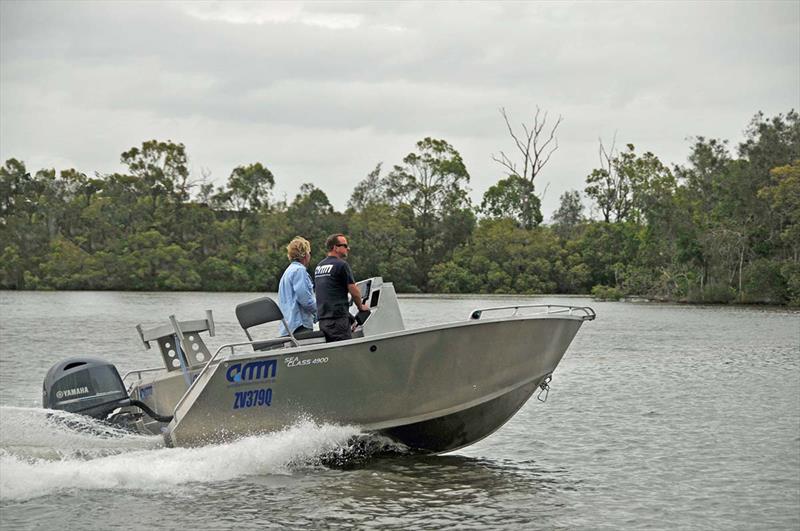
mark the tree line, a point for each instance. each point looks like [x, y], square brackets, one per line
[723, 227]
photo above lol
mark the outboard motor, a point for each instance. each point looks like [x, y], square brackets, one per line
[87, 386]
[90, 387]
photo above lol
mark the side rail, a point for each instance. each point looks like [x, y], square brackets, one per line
[139, 372]
[584, 312]
[205, 368]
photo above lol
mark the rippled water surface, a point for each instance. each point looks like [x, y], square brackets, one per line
[659, 417]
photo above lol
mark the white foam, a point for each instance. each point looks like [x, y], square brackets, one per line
[34, 431]
[24, 475]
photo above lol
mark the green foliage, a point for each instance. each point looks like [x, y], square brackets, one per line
[569, 215]
[513, 198]
[764, 282]
[503, 258]
[712, 294]
[428, 192]
[383, 245]
[790, 271]
[718, 229]
[783, 197]
[606, 293]
[631, 187]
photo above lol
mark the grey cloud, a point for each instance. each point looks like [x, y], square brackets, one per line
[391, 74]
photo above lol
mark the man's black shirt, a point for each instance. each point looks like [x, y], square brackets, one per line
[331, 278]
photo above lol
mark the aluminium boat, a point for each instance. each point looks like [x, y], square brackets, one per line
[432, 389]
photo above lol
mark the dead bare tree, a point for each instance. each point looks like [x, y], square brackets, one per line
[535, 145]
[607, 157]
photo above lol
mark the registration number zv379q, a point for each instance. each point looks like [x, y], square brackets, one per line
[252, 398]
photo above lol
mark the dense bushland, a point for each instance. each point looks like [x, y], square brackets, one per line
[723, 227]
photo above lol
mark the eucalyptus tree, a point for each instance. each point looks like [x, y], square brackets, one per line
[32, 213]
[783, 196]
[371, 190]
[569, 214]
[382, 231]
[15, 182]
[769, 144]
[249, 189]
[502, 258]
[16, 212]
[513, 198]
[161, 169]
[609, 189]
[771, 150]
[432, 182]
[629, 186]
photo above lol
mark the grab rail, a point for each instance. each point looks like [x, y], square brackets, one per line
[588, 313]
[140, 371]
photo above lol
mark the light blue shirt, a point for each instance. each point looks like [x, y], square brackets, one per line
[296, 298]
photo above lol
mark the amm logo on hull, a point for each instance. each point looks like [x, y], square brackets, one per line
[252, 371]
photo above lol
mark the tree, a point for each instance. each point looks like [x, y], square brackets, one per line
[159, 166]
[503, 258]
[312, 216]
[569, 214]
[771, 142]
[432, 182]
[384, 245]
[535, 145]
[25, 222]
[14, 187]
[368, 192]
[249, 189]
[609, 189]
[628, 186]
[783, 195]
[513, 198]
[708, 161]
[699, 197]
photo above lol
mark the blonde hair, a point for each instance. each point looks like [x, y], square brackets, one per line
[298, 248]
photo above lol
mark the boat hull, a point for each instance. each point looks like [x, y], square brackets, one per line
[433, 389]
[462, 428]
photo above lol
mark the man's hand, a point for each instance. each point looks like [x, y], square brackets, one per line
[355, 293]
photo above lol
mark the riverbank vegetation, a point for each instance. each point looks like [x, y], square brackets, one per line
[723, 227]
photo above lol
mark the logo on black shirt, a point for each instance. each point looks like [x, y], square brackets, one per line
[323, 269]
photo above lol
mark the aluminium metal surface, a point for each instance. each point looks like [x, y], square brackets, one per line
[377, 382]
[441, 386]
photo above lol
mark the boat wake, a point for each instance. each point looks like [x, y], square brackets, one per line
[44, 451]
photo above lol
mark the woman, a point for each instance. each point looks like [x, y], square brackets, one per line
[295, 291]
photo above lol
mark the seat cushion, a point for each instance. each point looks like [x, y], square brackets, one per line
[311, 334]
[270, 344]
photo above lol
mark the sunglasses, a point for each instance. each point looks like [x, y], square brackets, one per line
[342, 245]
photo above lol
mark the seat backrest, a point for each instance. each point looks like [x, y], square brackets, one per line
[257, 311]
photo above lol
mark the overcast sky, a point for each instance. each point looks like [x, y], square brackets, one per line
[322, 91]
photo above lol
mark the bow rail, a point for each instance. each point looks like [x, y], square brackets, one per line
[584, 312]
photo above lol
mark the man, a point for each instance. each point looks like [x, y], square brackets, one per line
[295, 291]
[333, 280]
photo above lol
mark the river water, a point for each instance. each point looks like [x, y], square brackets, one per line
[660, 417]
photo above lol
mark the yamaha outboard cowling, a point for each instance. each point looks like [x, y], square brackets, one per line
[87, 386]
